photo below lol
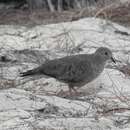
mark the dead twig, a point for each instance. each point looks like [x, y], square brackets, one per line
[114, 110]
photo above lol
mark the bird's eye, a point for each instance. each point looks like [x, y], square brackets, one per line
[106, 53]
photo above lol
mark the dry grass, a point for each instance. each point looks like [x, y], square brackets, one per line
[119, 13]
[109, 10]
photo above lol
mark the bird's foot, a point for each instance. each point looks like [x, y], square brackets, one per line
[68, 94]
[61, 93]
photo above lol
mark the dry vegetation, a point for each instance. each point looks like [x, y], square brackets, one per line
[108, 9]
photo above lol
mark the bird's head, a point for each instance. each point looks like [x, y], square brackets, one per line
[105, 54]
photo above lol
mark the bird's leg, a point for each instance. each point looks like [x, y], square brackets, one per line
[74, 90]
[71, 87]
[70, 90]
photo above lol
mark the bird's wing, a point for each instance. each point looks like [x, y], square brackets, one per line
[67, 69]
[53, 68]
[76, 72]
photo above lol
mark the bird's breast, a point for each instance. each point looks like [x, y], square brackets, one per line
[97, 70]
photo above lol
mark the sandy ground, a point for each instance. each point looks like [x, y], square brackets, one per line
[35, 103]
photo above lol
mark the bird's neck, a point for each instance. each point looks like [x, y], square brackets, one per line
[99, 60]
[98, 64]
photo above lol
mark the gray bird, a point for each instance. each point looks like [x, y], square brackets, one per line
[75, 70]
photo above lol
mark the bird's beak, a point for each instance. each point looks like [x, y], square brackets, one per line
[113, 60]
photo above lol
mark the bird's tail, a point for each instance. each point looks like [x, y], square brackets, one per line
[30, 72]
